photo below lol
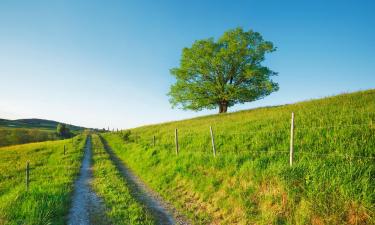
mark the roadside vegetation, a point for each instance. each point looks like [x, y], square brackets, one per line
[51, 181]
[250, 180]
[112, 188]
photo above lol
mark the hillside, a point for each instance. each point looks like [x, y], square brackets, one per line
[35, 123]
[251, 181]
[23, 131]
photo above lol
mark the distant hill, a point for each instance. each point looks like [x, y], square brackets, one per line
[35, 123]
[23, 131]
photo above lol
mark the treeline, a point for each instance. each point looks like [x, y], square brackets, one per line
[13, 136]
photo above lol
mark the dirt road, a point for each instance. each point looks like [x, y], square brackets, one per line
[86, 206]
[162, 212]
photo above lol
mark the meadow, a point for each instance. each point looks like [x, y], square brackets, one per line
[250, 180]
[14, 136]
[22, 131]
[111, 187]
[52, 174]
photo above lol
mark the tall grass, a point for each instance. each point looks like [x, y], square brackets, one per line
[250, 181]
[108, 183]
[51, 181]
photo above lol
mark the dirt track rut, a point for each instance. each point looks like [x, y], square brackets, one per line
[86, 207]
[162, 212]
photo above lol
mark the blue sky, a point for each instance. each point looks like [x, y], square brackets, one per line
[106, 63]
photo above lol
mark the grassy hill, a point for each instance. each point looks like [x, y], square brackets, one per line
[30, 130]
[35, 123]
[250, 180]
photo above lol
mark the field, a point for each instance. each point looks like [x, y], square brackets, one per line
[250, 180]
[51, 181]
[13, 136]
[35, 123]
[23, 131]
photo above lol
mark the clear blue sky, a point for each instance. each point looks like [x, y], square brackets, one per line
[106, 63]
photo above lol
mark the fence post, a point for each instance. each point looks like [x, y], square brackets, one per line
[291, 140]
[153, 140]
[64, 149]
[213, 141]
[27, 175]
[176, 140]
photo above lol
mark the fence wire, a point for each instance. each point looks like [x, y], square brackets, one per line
[282, 131]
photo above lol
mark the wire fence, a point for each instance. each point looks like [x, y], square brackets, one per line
[288, 137]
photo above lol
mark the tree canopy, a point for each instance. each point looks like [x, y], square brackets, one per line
[63, 131]
[223, 73]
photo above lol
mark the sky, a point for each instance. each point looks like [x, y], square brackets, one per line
[106, 63]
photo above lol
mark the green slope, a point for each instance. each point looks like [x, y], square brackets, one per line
[250, 180]
[30, 130]
[35, 123]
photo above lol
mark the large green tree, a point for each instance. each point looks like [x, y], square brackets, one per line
[223, 73]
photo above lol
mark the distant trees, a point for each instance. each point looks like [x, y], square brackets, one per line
[223, 73]
[14, 136]
[63, 131]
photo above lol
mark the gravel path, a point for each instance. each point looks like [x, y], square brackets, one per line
[86, 206]
[162, 212]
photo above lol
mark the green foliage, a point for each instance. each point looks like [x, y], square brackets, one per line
[223, 73]
[35, 123]
[51, 181]
[113, 189]
[63, 131]
[250, 180]
[13, 136]
[125, 135]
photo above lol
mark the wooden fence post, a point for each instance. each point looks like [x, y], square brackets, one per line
[213, 141]
[153, 140]
[291, 140]
[27, 175]
[176, 140]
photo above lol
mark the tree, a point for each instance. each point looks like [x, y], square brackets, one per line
[223, 73]
[63, 131]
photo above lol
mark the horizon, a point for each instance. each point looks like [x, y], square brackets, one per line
[100, 65]
[212, 114]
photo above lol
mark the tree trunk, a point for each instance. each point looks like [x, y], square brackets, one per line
[223, 106]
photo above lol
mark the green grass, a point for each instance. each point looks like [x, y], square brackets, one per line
[250, 181]
[51, 181]
[22, 131]
[108, 183]
[36, 124]
[13, 136]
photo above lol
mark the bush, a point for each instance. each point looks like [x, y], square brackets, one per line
[125, 135]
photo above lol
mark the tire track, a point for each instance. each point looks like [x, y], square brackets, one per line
[86, 206]
[162, 212]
